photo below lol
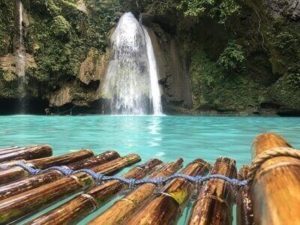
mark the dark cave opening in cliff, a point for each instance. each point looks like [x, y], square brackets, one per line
[11, 106]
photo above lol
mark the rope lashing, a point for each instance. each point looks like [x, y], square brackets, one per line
[269, 154]
[28, 167]
[159, 181]
[62, 169]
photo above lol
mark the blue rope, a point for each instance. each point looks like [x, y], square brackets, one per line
[159, 181]
[62, 169]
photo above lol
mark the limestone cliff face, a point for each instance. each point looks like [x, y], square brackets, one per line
[66, 54]
[173, 72]
[250, 65]
[64, 45]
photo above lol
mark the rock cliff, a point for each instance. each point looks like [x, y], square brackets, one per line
[243, 61]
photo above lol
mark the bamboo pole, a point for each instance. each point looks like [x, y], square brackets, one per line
[34, 152]
[11, 149]
[164, 209]
[244, 210]
[29, 202]
[276, 185]
[82, 205]
[95, 161]
[65, 159]
[124, 207]
[47, 177]
[214, 203]
[16, 173]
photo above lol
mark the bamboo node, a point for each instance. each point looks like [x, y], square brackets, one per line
[269, 154]
[129, 201]
[92, 199]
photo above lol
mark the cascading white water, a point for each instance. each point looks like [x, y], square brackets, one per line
[20, 56]
[155, 92]
[131, 69]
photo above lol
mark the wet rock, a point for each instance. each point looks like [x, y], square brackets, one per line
[93, 68]
[173, 72]
[8, 65]
[61, 97]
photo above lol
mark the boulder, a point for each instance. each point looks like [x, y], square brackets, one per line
[61, 97]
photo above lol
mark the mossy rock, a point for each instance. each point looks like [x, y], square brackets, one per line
[287, 93]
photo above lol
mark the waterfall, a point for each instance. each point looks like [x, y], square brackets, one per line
[155, 92]
[20, 56]
[131, 69]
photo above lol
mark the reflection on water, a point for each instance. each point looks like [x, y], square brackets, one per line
[154, 129]
[164, 137]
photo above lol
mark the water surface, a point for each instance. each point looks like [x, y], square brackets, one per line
[164, 137]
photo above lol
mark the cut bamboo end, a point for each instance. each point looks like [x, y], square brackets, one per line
[12, 149]
[117, 164]
[276, 186]
[62, 159]
[33, 152]
[95, 160]
[17, 173]
[268, 141]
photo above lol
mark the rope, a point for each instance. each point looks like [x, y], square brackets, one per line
[269, 154]
[159, 181]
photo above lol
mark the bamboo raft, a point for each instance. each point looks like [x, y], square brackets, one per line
[266, 192]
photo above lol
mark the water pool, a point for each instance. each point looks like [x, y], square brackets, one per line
[164, 137]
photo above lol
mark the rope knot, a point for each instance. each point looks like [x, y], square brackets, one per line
[99, 178]
[131, 183]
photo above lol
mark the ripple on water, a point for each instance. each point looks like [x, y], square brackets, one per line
[164, 137]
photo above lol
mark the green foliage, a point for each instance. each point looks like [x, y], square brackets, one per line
[220, 10]
[286, 41]
[195, 7]
[60, 26]
[6, 26]
[232, 57]
[211, 89]
[53, 9]
[100, 22]
[59, 51]
[293, 76]
[205, 72]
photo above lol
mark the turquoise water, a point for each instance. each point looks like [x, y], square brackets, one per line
[164, 137]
